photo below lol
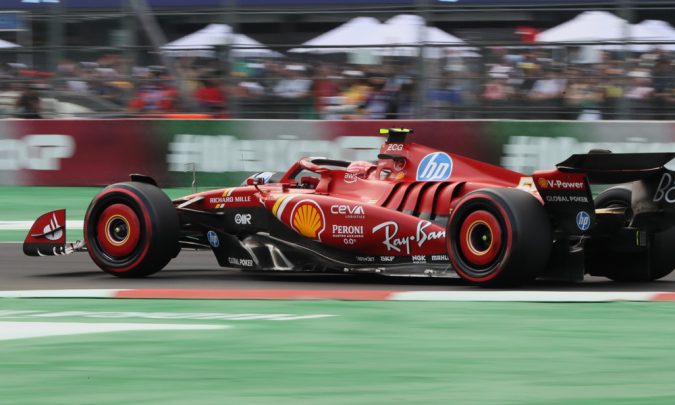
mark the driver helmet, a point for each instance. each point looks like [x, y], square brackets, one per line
[361, 168]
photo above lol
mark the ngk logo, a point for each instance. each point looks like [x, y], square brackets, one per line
[557, 184]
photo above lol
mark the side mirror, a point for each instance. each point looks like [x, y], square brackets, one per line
[255, 181]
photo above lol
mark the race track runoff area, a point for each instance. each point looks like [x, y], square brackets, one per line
[117, 351]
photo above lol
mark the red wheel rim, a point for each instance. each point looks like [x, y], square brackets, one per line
[480, 238]
[118, 230]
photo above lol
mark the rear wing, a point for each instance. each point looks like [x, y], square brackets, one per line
[612, 168]
[566, 191]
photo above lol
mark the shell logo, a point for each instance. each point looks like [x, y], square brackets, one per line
[308, 220]
[542, 182]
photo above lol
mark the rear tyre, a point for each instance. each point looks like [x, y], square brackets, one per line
[615, 197]
[653, 263]
[131, 230]
[498, 236]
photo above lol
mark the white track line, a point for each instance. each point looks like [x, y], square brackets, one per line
[84, 293]
[464, 296]
[26, 330]
[524, 296]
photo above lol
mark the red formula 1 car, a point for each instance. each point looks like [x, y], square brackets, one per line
[415, 211]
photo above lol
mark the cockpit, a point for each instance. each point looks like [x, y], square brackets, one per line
[316, 173]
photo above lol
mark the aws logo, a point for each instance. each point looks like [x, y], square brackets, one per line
[308, 219]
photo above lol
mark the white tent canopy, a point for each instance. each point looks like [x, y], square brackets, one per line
[359, 31]
[405, 30]
[6, 44]
[398, 36]
[602, 26]
[589, 26]
[204, 42]
[662, 29]
[655, 30]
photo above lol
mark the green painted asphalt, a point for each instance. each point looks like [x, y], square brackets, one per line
[28, 203]
[369, 353]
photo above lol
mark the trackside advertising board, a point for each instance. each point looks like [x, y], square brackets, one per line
[99, 152]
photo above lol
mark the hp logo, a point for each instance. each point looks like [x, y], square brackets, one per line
[435, 166]
[583, 220]
[213, 239]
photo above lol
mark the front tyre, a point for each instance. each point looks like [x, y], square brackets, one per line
[498, 236]
[131, 230]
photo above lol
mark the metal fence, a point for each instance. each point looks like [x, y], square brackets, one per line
[114, 62]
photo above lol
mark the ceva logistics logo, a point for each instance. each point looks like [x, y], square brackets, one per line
[435, 166]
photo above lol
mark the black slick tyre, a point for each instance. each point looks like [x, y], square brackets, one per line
[498, 236]
[131, 229]
[653, 263]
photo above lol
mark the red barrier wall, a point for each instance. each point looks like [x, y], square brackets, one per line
[99, 152]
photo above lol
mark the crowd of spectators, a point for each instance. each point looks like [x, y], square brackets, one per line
[501, 83]
[617, 86]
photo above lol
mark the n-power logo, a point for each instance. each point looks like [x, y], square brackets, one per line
[435, 166]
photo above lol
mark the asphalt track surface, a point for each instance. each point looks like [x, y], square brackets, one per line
[199, 270]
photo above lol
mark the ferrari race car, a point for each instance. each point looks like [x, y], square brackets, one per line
[415, 211]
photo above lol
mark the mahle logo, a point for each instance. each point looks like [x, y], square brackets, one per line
[435, 166]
